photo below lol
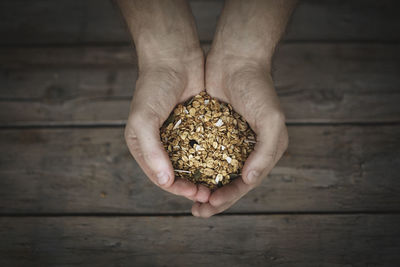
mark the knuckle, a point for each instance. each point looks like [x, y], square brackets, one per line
[135, 120]
[127, 133]
[276, 116]
[130, 137]
[273, 118]
[148, 156]
[191, 194]
[216, 201]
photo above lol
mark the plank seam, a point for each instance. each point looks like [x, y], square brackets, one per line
[186, 214]
[202, 42]
[121, 124]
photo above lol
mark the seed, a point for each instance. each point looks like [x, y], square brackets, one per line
[207, 141]
[184, 135]
[208, 172]
[177, 124]
[177, 111]
[195, 104]
[215, 145]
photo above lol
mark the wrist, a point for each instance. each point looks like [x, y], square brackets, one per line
[158, 52]
[185, 71]
[161, 30]
[242, 51]
[230, 63]
[251, 29]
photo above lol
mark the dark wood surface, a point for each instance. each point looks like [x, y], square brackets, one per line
[71, 194]
[333, 83]
[99, 21]
[262, 240]
[89, 170]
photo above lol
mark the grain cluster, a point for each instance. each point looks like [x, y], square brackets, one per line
[207, 141]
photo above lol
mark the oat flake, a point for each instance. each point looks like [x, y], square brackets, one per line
[207, 141]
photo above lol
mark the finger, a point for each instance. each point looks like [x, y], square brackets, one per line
[206, 210]
[179, 186]
[222, 199]
[229, 193]
[238, 188]
[203, 194]
[184, 188]
[151, 149]
[265, 154]
[145, 145]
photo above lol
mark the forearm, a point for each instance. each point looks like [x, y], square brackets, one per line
[251, 29]
[161, 29]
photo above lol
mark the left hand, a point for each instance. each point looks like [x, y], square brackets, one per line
[247, 85]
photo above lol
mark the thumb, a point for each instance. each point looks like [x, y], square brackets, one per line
[265, 154]
[146, 147]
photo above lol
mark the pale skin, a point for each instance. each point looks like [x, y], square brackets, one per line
[237, 70]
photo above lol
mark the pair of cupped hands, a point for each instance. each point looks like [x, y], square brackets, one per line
[244, 82]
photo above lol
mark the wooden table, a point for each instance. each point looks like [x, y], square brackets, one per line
[71, 194]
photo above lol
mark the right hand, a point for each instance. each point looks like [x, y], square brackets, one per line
[161, 85]
[247, 85]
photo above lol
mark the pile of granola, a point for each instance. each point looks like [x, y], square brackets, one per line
[207, 141]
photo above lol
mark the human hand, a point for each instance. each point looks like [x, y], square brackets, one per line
[161, 85]
[247, 85]
[171, 69]
[238, 72]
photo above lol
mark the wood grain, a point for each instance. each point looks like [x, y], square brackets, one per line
[67, 75]
[99, 21]
[323, 83]
[89, 170]
[279, 240]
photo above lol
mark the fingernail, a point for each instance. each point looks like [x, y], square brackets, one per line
[253, 176]
[162, 178]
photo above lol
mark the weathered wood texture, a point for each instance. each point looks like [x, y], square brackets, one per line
[317, 240]
[315, 82]
[324, 73]
[89, 170]
[99, 21]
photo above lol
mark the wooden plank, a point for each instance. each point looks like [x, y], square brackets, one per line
[316, 83]
[61, 21]
[89, 170]
[99, 21]
[279, 240]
